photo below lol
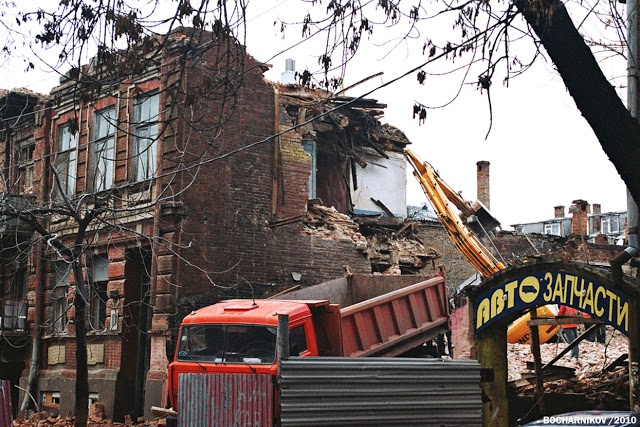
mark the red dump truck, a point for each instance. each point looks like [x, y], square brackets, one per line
[239, 336]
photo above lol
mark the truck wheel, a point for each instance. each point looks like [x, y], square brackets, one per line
[172, 421]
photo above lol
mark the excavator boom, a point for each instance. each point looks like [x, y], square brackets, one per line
[440, 195]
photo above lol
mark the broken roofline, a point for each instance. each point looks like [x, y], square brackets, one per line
[110, 67]
[359, 116]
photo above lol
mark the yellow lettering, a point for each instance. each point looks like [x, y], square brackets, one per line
[596, 302]
[623, 315]
[547, 295]
[578, 293]
[497, 303]
[557, 291]
[483, 312]
[510, 288]
[568, 279]
[588, 299]
[612, 297]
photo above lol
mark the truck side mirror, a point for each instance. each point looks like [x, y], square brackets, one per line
[170, 343]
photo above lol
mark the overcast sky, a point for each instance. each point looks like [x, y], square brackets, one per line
[542, 151]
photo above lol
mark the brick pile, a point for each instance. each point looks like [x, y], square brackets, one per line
[96, 419]
[392, 249]
[592, 372]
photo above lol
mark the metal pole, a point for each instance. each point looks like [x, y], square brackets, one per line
[632, 206]
[282, 347]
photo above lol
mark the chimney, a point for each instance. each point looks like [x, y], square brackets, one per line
[596, 221]
[558, 211]
[484, 195]
[289, 75]
[579, 209]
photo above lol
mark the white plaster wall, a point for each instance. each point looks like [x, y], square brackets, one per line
[382, 179]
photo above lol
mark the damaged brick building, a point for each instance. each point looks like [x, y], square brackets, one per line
[200, 201]
[585, 237]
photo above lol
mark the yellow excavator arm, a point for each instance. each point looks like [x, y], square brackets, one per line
[440, 195]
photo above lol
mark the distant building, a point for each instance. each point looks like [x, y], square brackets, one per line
[586, 220]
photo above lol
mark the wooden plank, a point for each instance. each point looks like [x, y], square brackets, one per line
[382, 206]
[537, 362]
[563, 320]
[570, 346]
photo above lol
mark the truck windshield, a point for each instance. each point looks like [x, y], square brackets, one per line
[228, 344]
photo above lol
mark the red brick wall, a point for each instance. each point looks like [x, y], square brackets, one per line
[484, 193]
[579, 224]
[229, 206]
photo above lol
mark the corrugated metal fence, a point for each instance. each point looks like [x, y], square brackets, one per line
[329, 391]
[238, 400]
[6, 415]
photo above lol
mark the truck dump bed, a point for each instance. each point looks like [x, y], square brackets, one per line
[397, 315]
[394, 323]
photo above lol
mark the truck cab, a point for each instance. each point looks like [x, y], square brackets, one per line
[239, 337]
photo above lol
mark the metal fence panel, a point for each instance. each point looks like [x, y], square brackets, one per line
[329, 391]
[237, 400]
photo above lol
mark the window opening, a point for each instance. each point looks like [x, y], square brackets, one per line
[145, 133]
[103, 149]
[65, 162]
[59, 295]
[297, 341]
[98, 292]
[309, 147]
[25, 165]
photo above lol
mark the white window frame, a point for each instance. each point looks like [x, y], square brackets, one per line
[103, 160]
[309, 147]
[610, 225]
[59, 295]
[65, 163]
[552, 229]
[146, 110]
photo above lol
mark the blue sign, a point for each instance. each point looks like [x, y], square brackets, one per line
[553, 287]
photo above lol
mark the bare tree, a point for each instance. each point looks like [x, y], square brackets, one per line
[483, 40]
[106, 46]
[201, 63]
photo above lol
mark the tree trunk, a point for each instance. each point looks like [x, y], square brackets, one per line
[82, 374]
[595, 97]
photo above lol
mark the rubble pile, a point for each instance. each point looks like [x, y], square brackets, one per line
[600, 367]
[43, 419]
[389, 242]
[96, 419]
[328, 223]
